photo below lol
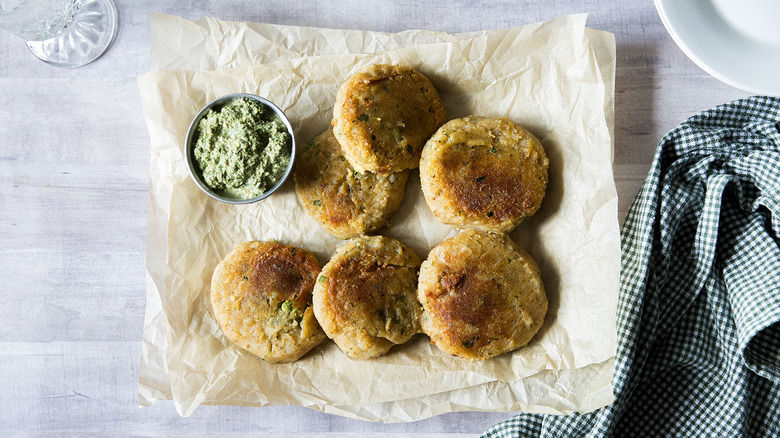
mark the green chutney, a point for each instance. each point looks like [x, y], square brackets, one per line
[242, 149]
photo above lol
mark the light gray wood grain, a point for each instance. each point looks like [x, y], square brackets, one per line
[74, 157]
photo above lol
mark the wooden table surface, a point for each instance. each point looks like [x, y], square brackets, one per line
[74, 169]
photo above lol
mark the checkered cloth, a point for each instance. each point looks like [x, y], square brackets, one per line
[699, 309]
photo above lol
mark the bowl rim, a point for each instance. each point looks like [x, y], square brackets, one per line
[189, 147]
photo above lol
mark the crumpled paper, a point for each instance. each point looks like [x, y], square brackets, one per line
[555, 78]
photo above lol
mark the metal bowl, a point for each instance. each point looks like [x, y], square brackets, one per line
[189, 148]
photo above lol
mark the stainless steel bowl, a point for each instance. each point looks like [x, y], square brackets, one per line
[189, 148]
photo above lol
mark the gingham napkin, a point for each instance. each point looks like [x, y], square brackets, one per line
[699, 313]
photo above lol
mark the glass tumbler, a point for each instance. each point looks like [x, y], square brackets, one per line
[63, 33]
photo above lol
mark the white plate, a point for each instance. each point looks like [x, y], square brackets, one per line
[736, 41]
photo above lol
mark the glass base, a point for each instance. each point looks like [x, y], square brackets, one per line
[83, 41]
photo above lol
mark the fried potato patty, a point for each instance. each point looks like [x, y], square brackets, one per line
[365, 298]
[383, 115]
[342, 200]
[484, 173]
[482, 295]
[261, 297]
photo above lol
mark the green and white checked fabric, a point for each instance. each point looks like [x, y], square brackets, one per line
[699, 310]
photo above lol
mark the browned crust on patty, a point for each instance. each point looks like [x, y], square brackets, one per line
[384, 114]
[482, 295]
[365, 298]
[342, 200]
[485, 173]
[261, 298]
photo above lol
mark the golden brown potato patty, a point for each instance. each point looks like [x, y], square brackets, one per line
[482, 295]
[342, 200]
[383, 115]
[485, 173]
[261, 297]
[365, 298]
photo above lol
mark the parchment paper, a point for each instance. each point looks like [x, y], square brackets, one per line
[554, 78]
